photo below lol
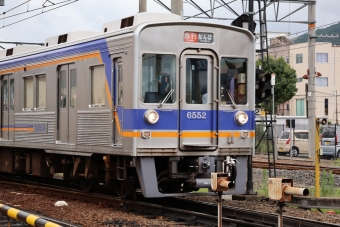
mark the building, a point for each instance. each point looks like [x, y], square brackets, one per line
[327, 86]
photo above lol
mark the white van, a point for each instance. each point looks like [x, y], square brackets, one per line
[299, 143]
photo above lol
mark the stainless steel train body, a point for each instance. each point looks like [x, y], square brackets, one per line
[150, 106]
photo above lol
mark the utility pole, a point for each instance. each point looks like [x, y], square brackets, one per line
[142, 6]
[311, 78]
[177, 7]
[336, 107]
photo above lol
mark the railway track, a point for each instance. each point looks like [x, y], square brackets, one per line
[289, 166]
[191, 213]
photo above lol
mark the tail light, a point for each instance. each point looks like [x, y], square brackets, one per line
[288, 141]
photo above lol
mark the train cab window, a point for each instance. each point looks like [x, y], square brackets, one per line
[73, 88]
[158, 77]
[233, 81]
[196, 81]
[98, 86]
[41, 92]
[28, 91]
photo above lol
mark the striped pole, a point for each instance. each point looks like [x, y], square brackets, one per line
[22, 216]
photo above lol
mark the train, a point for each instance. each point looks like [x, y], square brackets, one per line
[152, 104]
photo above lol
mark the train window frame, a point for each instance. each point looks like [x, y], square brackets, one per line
[173, 77]
[25, 107]
[37, 91]
[34, 92]
[91, 105]
[241, 88]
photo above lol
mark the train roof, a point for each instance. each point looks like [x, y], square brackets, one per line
[108, 27]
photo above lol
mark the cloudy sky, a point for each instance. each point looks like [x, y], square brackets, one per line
[89, 15]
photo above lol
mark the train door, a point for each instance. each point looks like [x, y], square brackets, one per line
[198, 108]
[117, 94]
[67, 93]
[7, 88]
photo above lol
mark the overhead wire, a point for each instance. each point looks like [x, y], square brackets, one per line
[67, 2]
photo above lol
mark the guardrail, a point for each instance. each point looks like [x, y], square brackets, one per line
[25, 217]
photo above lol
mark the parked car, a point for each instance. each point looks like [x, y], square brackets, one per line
[329, 142]
[299, 143]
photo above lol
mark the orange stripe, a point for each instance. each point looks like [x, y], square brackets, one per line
[54, 62]
[115, 114]
[164, 134]
[131, 134]
[108, 93]
[17, 129]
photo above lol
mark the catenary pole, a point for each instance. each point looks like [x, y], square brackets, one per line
[313, 153]
[177, 7]
[250, 188]
[142, 6]
[311, 77]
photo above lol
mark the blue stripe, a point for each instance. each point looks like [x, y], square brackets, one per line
[133, 119]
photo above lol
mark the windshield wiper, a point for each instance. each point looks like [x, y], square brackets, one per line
[166, 98]
[233, 104]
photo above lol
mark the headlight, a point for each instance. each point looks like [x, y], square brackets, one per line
[151, 117]
[241, 118]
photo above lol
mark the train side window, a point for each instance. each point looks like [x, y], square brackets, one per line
[120, 84]
[73, 88]
[11, 94]
[28, 91]
[62, 89]
[98, 86]
[158, 77]
[233, 80]
[41, 92]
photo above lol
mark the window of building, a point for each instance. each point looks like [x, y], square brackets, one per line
[28, 91]
[300, 107]
[98, 86]
[287, 60]
[322, 57]
[299, 58]
[326, 107]
[41, 91]
[321, 81]
[299, 79]
[158, 77]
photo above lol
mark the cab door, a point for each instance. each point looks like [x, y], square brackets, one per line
[198, 106]
[117, 96]
[7, 88]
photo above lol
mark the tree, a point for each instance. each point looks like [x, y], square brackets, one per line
[285, 82]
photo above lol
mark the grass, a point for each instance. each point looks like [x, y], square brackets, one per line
[263, 188]
[337, 162]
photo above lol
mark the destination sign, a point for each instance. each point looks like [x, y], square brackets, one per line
[198, 37]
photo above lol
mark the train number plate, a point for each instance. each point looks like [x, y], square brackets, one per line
[197, 115]
[328, 143]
